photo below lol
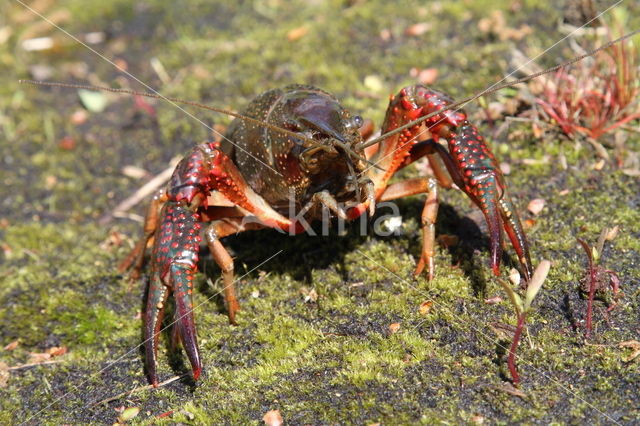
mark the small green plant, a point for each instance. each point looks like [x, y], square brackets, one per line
[522, 308]
[598, 279]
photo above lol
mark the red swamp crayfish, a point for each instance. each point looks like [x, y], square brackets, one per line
[310, 153]
[297, 145]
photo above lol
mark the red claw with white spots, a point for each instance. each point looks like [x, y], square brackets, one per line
[297, 146]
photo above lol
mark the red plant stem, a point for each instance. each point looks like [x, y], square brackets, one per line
[511, 360]
[592, 292]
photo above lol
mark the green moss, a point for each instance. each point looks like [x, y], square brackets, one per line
[327, 360]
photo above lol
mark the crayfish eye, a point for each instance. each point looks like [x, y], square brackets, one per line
[355, 122]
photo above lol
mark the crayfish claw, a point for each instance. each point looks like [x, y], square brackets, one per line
[513, 227]
[174, 262]
[156, 301]
[181, 277]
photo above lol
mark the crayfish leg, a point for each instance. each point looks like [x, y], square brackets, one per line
[225, 262]
[135, 259]
[427, 219]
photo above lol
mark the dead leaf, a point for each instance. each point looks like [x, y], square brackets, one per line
[477, 419]
[310, 295]
[57, 351]
[425, 307]
[297, 33]
[79, 116]
[536, 205]
[11, 346]
[514, 277]
[272, 418]
[424, 76]
[511, 390]
[599, 165]
[4, 374]
[418, 29]
[38, 357]
[634, 345]
[134, 172]
[128, 414]
[612, 233]
[493, 300]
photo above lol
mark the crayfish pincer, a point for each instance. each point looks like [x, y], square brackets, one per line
[297, 145]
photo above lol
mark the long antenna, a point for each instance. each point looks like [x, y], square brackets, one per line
[176, 100]
[495, 89]
[192, 103]
[312, 142]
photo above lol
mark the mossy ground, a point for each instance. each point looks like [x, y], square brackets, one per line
[332, 360]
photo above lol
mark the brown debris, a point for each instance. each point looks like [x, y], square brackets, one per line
[536, 205]
[11, 346]
[632, 344]
[272, 418]
[297, 33]
[425, 307]
[418, 29]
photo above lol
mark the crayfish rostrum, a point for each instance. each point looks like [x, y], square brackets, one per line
[298, 145]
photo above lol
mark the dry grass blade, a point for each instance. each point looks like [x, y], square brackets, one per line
[136, 390]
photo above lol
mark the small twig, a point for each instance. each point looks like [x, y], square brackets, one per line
[144, 191]
[136, 390]
[592, 286]
[35, 364]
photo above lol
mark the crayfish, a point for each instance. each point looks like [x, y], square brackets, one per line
[298, 146]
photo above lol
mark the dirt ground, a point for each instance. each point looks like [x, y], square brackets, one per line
[332, 329]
